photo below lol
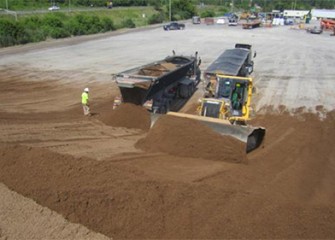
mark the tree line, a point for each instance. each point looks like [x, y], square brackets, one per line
[266, 5]
[60, 25]
[57, 25]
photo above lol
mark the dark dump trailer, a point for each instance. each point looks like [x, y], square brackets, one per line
[236, 62]
[160, 86]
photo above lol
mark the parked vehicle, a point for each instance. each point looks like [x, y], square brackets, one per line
[54, 8]
[220, 20]
[196, 20]
[232, 21]
[289, 21]
[209, 21]
[174, 26]
[316, 30]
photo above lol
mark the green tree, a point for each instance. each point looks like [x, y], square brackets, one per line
[12, 33]
[182, 9]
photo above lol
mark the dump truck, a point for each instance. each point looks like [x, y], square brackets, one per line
[234, 62]
[160, 86]
[250, 24]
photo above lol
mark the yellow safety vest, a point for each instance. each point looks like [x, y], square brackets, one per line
[84, 98]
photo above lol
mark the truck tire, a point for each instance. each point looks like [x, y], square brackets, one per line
[191, 89]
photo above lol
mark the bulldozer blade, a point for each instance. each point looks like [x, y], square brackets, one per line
[251, 136]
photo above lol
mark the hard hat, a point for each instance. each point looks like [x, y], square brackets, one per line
[86, 90]
[238, 85]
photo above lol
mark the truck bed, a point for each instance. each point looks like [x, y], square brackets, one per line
[140, 83]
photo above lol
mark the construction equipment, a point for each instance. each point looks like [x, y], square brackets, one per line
[229, 110]
[160, 86]
[226, 105]
[251, 23]
[234, 62]
[231, 101]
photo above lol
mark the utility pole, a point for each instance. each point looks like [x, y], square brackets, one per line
[7, 4]
[170, 15]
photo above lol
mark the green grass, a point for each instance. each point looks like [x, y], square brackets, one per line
[120, 14]
[116, 14]
[35, 27]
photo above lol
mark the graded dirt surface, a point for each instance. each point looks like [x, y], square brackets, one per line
[66, 176]
[127, 115]
[195, 140]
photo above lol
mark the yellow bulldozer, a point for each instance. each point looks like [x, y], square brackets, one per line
[228, 111]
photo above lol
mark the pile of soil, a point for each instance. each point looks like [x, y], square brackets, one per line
[127, 115]
[285, 191]
[99, 195]
[190, 138]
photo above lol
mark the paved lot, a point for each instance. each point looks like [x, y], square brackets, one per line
[292, 67]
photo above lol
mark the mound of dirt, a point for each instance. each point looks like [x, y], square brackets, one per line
[286, 190]
[190, 138]
[127, 115]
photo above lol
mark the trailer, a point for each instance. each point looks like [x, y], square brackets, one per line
[160, 86]
[233, 62]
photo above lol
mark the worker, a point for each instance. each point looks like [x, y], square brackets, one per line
[85, 102]
[236, 97]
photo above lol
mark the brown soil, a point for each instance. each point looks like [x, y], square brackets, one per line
[189, 138]
[127, 115]
[92, 174]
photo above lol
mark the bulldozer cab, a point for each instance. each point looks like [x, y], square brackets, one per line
[230, 99]
[236, 91]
